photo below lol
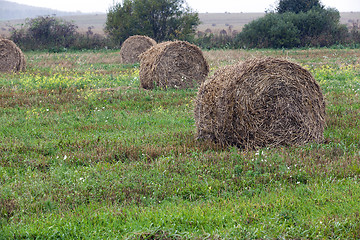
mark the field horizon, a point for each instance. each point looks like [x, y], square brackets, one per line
[230, 22]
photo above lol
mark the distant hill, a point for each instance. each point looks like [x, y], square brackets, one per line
[13, 14]
[12, 11]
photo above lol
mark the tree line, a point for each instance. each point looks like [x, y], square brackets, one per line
[292, 24]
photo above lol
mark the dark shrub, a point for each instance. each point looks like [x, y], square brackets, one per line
[316, 27]
[45, 32]
[56, 35]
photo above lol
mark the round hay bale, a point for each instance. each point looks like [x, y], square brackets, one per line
[133, 47]
[259, 103]
[176, 64]
[12, 58]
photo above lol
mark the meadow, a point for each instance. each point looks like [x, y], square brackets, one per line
[86, 154]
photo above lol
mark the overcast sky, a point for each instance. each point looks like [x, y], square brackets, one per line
[198, 5]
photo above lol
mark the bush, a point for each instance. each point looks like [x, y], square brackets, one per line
[271, 31]
[91, 41]
[321, 27]
[316, 27]
[47, 32]
[211, 41]
[355, 36]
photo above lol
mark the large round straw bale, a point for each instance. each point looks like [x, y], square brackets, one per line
[170, 64]
[11, 57]
[133, 47]
[261, 102]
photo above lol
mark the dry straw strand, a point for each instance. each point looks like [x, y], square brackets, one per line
[12, 58]
[177, 64]
[133, 47]
[259, 103]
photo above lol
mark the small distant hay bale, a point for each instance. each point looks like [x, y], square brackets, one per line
[12, 58]
[260, 103]
[133, 47]
[223, 32]
[208, 31]
[177, 64]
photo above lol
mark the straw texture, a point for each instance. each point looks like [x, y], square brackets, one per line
[261, 102]
[133, 47]
[11, 57]
[176, 64]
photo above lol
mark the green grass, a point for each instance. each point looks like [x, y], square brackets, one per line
[85, 153]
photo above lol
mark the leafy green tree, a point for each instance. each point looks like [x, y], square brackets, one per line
[158, 19]
[298, 6]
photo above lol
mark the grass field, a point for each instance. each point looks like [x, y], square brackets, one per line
[86, 154]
